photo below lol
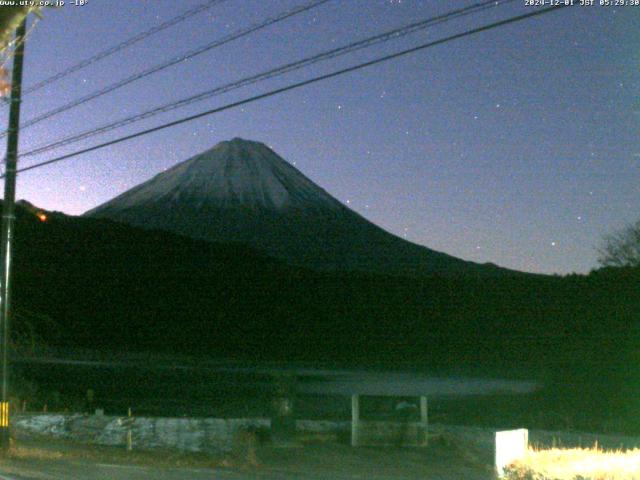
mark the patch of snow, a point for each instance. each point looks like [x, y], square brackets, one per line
[233, 173]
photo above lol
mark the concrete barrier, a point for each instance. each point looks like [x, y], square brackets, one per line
[216, 435]
[188, 434]
[196, 434]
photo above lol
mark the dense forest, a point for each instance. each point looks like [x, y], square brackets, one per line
[102, 285]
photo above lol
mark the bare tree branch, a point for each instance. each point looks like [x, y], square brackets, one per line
[621, 249]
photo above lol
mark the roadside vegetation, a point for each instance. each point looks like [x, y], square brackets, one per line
[576, 464]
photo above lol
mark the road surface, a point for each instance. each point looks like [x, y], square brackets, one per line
[81, 471]
[61, 469]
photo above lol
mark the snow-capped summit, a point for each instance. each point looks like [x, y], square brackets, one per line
[236, 173]
[242, 191]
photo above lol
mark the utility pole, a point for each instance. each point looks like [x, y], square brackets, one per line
[8, 218]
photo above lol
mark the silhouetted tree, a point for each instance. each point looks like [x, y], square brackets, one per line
[622, 248]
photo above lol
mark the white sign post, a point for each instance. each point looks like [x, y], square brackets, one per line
[511, 445]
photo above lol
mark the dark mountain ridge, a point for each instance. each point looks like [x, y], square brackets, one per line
[111, 287]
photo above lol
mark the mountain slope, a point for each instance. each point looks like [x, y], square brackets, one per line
[243, 191]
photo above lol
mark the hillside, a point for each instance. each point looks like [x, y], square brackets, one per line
[111, 287]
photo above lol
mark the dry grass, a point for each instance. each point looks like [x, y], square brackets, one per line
[43, 448]
[576, 464]
[33, 453]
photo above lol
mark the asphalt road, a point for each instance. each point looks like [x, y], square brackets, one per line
[83, 471]
[70, 470]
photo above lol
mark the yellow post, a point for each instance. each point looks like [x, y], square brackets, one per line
[4, 414]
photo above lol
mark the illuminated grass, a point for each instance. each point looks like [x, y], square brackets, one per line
[576, 464]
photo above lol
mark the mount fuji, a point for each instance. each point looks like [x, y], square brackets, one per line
[242, 191]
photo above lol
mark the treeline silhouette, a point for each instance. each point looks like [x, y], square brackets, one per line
[110, 287]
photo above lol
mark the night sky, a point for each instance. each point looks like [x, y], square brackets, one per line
[519, 146]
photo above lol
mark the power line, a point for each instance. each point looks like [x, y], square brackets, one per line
[181, 58]
[121, 46]
[295, 86]
[367, 42]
